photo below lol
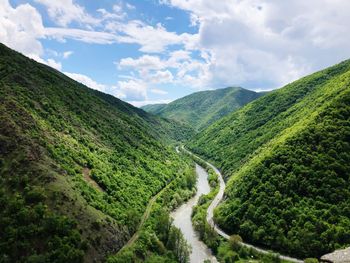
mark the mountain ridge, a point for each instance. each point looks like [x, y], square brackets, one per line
[202, 108]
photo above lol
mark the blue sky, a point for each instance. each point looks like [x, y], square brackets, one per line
[155, 51]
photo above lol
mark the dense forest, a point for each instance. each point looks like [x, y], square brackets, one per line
[160, 241]
[203, 108]
[230, 250]
[154, 108]
[77, 167]
[87, 177]
[286, 159]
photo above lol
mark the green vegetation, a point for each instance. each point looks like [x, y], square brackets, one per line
[154, 108]
[199, 214]
[82, 171]
[225, 250]
[77, 167]
[159, 240]
[29, 230]
[232, 251]
[286, 157]
[202, 108]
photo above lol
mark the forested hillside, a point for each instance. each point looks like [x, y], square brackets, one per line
[77, 167]
[154, 108]
[286, 157]
[202, 108]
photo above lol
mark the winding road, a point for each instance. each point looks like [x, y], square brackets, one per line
[144, 217]
[215, 203]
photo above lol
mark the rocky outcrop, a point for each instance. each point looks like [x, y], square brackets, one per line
[338, 256]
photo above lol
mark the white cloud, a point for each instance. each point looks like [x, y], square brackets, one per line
[149, 68]
[81, 35]
[21, 27]
[178, 55]
[117, 13]
[196, 74]
[87, 81]
[134, 90]
[267, 42]
[112, 27]
[67, 54]
[154, 62]
[117, 8]
[109, 27]
[146, 102]
[64, 12]
[130, 6]
[161, 77]
[253, 43]
[107, 15]
[49, 62]
[152, 39]
[191, 72]
[159, 91]
[127, 90]
[145, 62]
[54, 64]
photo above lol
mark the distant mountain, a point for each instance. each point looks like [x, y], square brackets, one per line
[286, 157]
[202, 108]
[154, 108]
[77, 167]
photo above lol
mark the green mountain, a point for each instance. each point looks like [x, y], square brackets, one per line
[202, 108]
[154, 108]
[286, 157]
[77, 167]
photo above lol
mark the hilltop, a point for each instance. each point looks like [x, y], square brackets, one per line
[202, 108]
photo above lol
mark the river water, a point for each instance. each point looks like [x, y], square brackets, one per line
[182, 220]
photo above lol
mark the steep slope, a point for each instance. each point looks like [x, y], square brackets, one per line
[286, 157]
[77, 167]
[202, 108]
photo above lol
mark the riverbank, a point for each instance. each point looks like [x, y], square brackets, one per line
[214, 242]
[182, 220]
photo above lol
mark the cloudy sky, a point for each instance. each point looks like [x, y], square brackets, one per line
[152, 51]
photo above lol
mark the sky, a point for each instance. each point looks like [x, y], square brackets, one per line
[155, 51]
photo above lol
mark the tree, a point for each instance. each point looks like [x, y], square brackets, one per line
[235, 242]
[177, 243]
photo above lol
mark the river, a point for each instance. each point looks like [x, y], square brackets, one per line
[214, 204]
[182, 220]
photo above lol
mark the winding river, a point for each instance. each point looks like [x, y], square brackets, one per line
[182, 220]
[182, 217]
